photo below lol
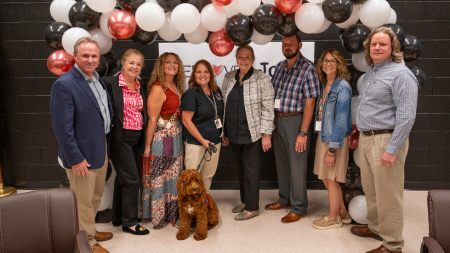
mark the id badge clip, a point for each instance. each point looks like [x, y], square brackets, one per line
[277, 104]
[318, 126]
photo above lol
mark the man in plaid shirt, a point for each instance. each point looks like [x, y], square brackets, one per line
[296, 87]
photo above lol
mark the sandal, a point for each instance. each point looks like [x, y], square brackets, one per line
[138, 230]
[243, 215]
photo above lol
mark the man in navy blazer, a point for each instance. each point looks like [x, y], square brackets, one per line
[81, 118]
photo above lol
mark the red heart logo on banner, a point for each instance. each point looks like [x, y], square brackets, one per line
[217, 69]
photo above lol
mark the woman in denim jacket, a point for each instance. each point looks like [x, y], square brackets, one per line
[333, 125]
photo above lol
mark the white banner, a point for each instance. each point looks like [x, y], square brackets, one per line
[267, 57]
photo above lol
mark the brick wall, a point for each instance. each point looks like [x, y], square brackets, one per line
[28, 148]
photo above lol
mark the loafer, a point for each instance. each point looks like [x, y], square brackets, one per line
[98, 249]
[327, 223]
[276, 206]
[237, 209]
[346, 219]
[364, 231]
[292, 217]
[383, 249]
[102, 236]
[243, 215]
[139, 230]
[116, 224]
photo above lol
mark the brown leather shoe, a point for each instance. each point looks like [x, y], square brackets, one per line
[364, 231]
[276, 206]
[382, 249]
[102, 236]
[291, 217]
[99, 249]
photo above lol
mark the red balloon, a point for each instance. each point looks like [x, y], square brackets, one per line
[353, 138]
[122, 24]
[288, 6]
[221, 2]
[220, 44]
[59, 62]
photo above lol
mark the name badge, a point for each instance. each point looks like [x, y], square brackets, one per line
[318, 126]
[218, 123]
[277, 104]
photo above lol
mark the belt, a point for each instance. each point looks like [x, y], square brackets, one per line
[169, 116]
[287, 114]
[375, 132]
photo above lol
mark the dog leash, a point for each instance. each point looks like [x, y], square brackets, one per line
[210, 150]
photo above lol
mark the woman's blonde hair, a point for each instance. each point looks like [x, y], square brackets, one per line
[158, 73]
[212, 79]
[396, 54]
[129, 53]
[342, 70]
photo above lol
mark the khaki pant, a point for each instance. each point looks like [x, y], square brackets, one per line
[193, 156]
[383, 187]
[89, 192]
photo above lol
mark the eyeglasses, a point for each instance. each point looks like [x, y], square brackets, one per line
[331, 62]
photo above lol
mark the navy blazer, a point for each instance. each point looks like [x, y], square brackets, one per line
[77, 121]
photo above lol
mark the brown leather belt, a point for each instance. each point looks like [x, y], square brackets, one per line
[168, 116]
[287, 114]
[375, 132]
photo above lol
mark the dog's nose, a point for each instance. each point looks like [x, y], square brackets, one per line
[195, 188]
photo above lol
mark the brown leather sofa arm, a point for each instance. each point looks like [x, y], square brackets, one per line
[430, 245]
[82, 245]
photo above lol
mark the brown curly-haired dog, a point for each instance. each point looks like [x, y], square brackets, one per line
[195, 203]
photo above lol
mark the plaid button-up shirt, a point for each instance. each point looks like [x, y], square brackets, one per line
[292, 86]
[132, 105]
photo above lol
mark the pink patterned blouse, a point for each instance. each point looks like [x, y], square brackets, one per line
[132, 105]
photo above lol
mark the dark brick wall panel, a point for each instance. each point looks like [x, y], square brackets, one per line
[29, 148]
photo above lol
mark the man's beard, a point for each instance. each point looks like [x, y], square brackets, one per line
[290, 56]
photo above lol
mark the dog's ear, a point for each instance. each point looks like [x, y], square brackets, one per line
[198, 176]
[180, 184]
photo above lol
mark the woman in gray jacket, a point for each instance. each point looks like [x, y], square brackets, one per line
[248, 123]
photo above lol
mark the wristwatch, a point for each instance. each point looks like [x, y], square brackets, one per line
[332, 150]
[302, 133]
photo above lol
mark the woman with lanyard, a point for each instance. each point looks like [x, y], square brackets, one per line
[202, 111]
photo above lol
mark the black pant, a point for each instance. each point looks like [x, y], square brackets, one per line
[126, 186]
[247, 159]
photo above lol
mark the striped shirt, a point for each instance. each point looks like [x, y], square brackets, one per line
[292, 86]
[132, 105]
[388, 100]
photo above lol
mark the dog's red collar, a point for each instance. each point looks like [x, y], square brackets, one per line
[207, 200]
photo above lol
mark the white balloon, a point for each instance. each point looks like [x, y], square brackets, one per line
[358, 209]
[325, 26]
[151, 1]
[231, 10]
[261, 39]
[60, 10]
[104, 43]
[214, 17]
[71, 36]
[393, 18]
[246, 7]
[359, 61]
[272, 2]
[309, 18]
[101, 5]
[359, 82]
[104, 23]
[354, 107]
[150, 16]
[315, 1]
[167, 32]
[198, 36]
[185, 18]
[375, 13]
[353, 19]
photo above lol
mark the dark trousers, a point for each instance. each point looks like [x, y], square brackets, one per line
[126, 186]
[247, 160]
[291, 165]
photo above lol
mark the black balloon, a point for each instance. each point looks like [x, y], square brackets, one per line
[102, 68]
[354, 36]
[419, 74]
[267, 19]
[337, 11]
[239, 29]
[130, 5]
[54, 33]
[349, 194]
[353, 177]
[80, 15]
[398, 31]
[354, 76]
[142, 37]
[168, 5]
[288, 27]
[64, 183]
[412, 48]
[358, 1]
[199, 4]
[113, 63]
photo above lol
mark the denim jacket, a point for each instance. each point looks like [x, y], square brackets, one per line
[336, 116]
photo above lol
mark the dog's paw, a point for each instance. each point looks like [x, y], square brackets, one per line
[182, 236]
[199, 237]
